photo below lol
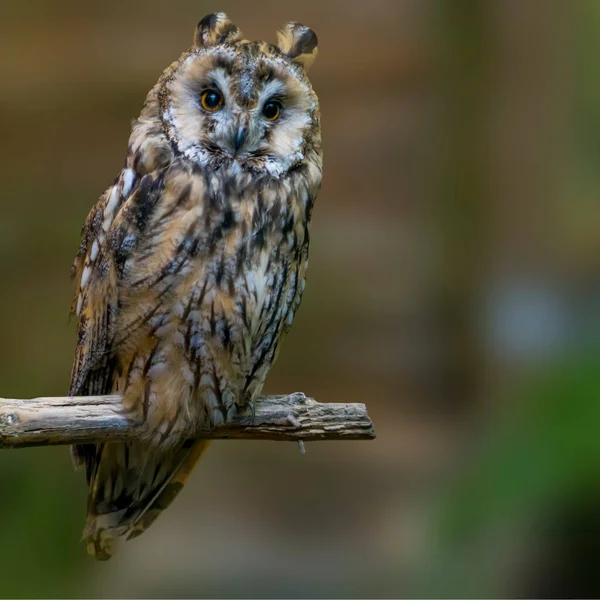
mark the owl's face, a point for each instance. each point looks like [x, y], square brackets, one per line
[231, 102]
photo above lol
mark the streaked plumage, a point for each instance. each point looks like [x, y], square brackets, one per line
[192, 264]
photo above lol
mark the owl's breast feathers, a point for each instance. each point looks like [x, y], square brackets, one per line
[186, 282]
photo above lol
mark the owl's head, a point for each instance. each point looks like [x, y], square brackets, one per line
[230, 101]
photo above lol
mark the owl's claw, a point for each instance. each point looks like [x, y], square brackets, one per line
[252, 411]
[292, 420]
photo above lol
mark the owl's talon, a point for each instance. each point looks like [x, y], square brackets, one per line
[292, 420]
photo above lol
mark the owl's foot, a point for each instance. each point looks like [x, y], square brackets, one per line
[292, 420]
[241, 410]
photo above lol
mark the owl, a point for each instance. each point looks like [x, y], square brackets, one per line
[192, 264]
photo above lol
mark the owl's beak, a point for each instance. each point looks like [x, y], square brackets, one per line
[239, 138]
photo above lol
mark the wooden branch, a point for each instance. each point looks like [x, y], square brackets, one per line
[91, 419]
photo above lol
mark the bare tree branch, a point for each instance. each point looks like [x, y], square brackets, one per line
[92, 419]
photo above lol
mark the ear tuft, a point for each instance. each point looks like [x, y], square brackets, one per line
[299, 43]
[216, 29]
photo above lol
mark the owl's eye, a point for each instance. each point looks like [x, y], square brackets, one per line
[211, 100]
[271, 110]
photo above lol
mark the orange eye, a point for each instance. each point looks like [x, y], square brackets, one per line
[271, 110]
[211, 100]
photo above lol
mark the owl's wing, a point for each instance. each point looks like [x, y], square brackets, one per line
[94, 305]
[107, 240]
[128, 259]
[110, 236]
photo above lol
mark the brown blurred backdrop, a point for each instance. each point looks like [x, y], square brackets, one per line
[453, 287]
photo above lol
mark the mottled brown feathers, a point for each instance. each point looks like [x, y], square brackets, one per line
[299, 43]
[192, 264]
[216, 29]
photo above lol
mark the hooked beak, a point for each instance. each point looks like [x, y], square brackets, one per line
[239, 138]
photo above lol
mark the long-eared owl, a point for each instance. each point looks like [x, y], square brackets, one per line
[192, 264]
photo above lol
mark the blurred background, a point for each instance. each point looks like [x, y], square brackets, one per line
[453, 287]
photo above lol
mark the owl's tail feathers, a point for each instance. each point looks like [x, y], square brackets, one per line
[129, 489]
[170, 490]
